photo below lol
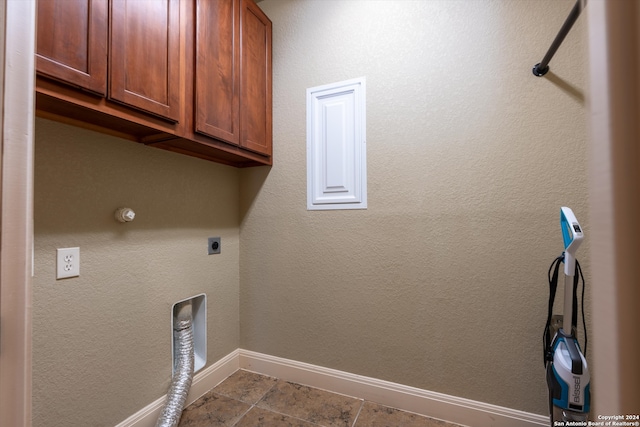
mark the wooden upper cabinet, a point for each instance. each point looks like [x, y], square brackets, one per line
[145, 56]
[72, 42]
[233, 73]
[217, 72]
[190, 76]
[255, 83]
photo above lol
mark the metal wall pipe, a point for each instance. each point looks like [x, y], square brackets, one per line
[542, 68]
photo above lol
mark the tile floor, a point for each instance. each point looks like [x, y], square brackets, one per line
[247, 399]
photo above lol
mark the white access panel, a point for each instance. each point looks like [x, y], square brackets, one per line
[336, 146]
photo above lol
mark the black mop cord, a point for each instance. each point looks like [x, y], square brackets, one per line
[553, 281]
[584, 323]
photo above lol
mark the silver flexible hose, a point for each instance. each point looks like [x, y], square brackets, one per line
[183, 376]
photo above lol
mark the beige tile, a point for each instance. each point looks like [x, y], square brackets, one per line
[246, 386]
[213, 410]
[258, 417]
[311, 404]
[375, 415]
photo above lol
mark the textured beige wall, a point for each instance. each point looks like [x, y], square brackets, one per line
[102, 341]
[441, 282]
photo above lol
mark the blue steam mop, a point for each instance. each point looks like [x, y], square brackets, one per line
[568, 377]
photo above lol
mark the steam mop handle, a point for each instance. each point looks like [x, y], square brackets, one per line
[572, 235]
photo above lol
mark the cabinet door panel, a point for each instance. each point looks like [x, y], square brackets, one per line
[217, 69]
[145, 55]
[255, 84]
[72, 42]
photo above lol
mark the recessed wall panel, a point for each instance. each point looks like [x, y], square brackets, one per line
[336, 151]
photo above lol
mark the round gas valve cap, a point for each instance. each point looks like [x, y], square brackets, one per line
[125, 214]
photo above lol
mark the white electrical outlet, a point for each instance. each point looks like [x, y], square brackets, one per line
[68, 263]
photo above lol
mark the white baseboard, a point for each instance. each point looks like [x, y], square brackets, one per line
[435, 405]
[203, 381]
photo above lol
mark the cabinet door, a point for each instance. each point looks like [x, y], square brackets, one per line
[217, 81]
[145, 55]
[255, 83]
[72, 42]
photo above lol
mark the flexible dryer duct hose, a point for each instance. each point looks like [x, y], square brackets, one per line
[181, 381]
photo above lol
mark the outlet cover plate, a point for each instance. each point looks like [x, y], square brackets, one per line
[214, 245]
[68, 263]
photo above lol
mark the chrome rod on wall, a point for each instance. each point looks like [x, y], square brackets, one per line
[542, 67]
